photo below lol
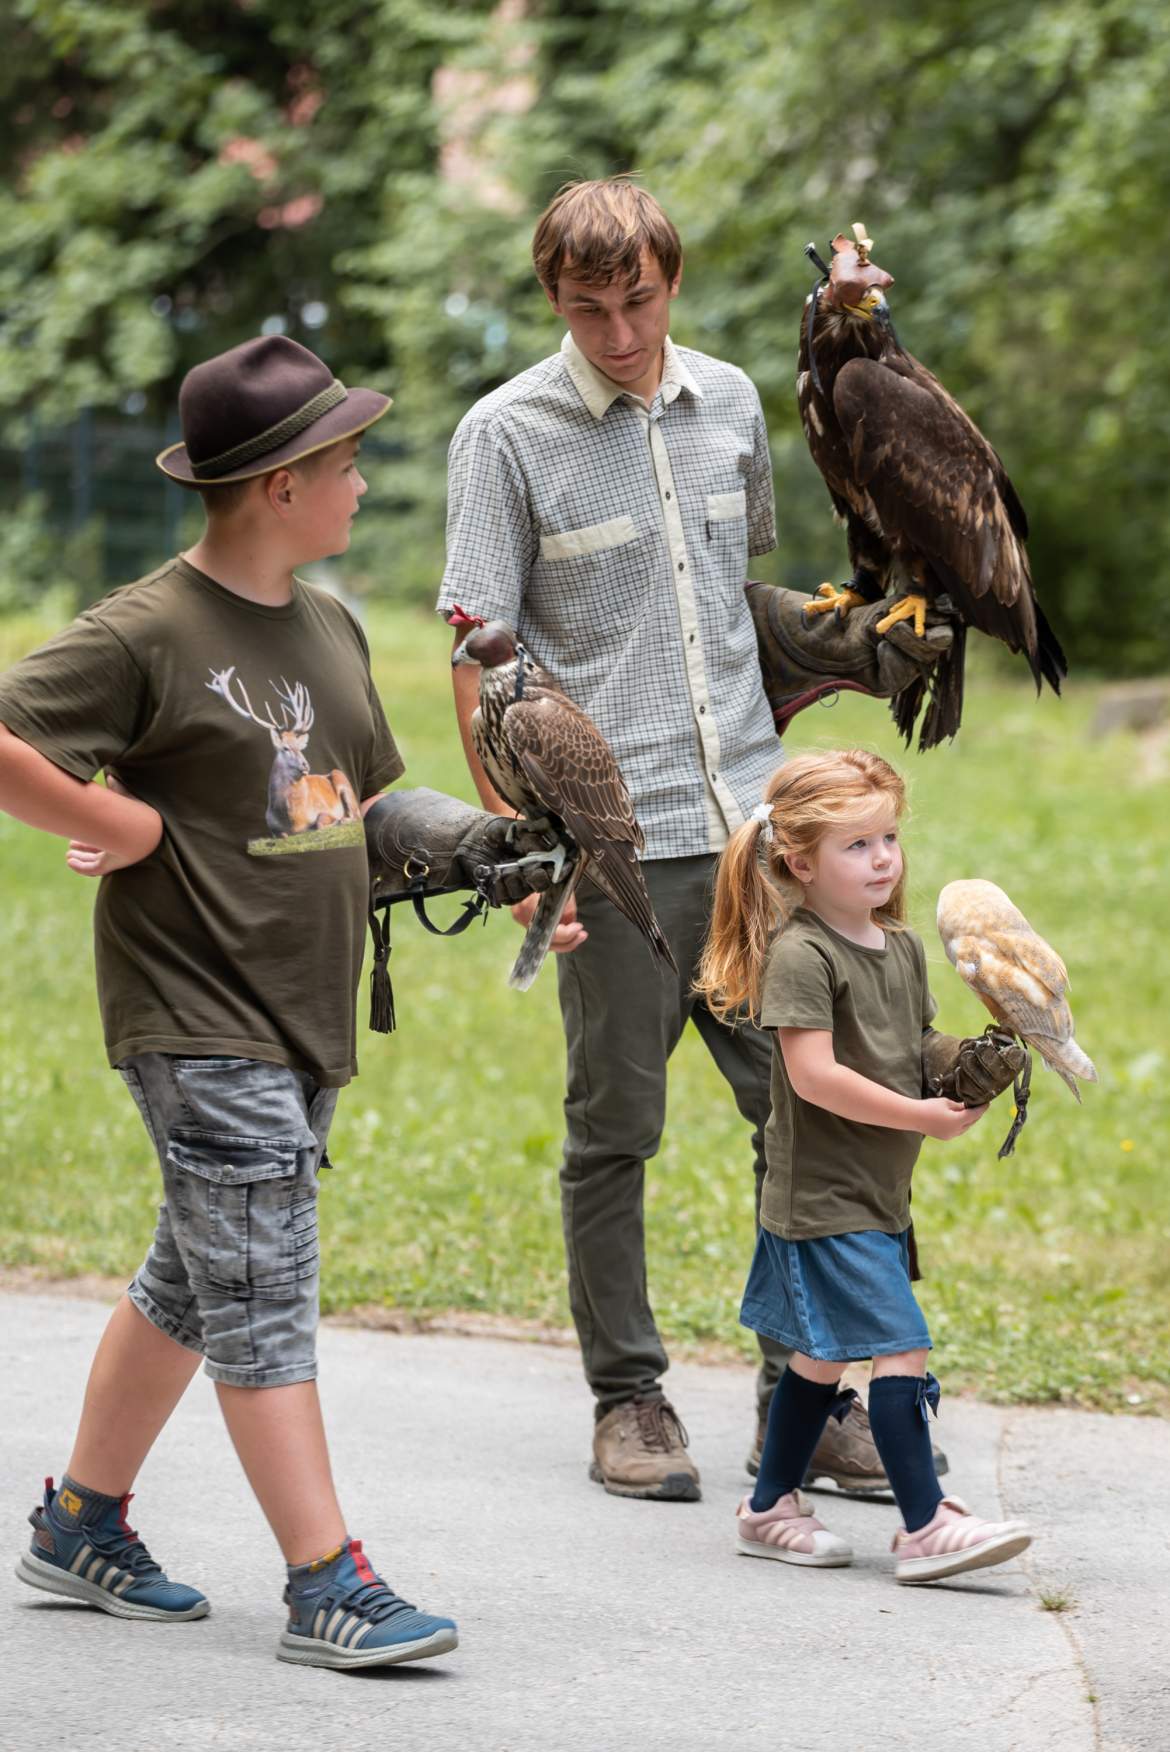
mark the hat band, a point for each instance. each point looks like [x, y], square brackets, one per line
[273, 437]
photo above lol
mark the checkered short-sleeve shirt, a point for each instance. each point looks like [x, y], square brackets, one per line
[614, 537]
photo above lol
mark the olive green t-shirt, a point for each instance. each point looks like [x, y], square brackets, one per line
[826, 1175]
[256, 734]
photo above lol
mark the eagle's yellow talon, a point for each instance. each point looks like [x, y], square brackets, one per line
[828, 597]
[909, 606]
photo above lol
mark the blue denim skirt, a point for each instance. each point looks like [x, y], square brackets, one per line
[838, 1298]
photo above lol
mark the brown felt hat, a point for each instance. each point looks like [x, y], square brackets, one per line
[261, 406]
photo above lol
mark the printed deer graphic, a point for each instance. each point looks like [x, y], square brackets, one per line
[297, 799]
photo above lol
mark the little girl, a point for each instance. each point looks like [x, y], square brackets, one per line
[843, 984]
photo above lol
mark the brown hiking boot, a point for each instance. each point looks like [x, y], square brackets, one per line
[640, 1450]
[845, 1455]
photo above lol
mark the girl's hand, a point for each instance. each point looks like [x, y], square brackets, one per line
[945, 1119]
[93, 861]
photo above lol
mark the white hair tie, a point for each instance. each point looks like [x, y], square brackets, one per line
[763, 814]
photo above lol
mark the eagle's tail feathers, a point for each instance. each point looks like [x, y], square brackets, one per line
[1051, 663]
[944, 711]
[905, 707]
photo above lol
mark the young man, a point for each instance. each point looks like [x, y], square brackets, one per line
[605, 503]
[229, 933]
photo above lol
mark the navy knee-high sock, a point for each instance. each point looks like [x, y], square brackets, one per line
[897, 1416]
[796, 1417]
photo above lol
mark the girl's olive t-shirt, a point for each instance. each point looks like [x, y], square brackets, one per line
[255, 732]
[827, 1175]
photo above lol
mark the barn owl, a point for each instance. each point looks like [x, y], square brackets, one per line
[1019, 977]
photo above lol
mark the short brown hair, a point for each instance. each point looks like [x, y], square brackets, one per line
[226, 498]
[601, 229]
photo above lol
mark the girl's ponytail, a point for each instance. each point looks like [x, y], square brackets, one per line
[744, 916]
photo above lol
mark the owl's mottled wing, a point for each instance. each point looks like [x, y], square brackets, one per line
[1019, 977]
[570, 767]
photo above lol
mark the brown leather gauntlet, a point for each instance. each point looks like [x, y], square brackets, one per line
[974, 1070]
[804, 658]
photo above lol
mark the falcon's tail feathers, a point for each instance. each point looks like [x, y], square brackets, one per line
[539, 934]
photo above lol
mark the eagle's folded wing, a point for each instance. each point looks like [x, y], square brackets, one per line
[933, 476]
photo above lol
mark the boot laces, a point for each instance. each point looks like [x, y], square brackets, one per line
[659, 1425]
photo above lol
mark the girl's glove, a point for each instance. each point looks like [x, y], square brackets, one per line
[805, 657]
[971, 1071]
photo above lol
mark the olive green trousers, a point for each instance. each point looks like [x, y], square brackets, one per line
[623, 1016]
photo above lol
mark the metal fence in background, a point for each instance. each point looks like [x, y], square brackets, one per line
[98, 475]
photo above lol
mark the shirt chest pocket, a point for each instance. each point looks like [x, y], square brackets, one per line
[595, 578]
[727, 545]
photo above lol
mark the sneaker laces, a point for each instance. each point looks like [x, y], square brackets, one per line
[122, 1542]
[375, 1601]
[655, 1418]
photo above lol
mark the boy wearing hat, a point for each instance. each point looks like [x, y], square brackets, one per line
[232, 706]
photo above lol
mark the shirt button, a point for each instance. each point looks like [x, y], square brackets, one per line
[714, 777]
[682, 565]
[691, 640]
[667, 495]
[702, 708]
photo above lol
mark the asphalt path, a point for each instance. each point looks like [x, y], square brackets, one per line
[587, 1621]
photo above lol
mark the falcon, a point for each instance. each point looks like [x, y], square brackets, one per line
[549, 760]
[927, 505]
[1017, 975]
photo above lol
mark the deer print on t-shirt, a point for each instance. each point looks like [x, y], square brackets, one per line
[299, 801]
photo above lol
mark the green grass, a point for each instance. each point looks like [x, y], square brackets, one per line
[1046, 1273]
[321, 839]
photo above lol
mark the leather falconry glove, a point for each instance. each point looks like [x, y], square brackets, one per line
[802, 659]
[423, 843]
[974, 1070]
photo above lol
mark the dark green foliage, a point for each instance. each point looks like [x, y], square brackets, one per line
[1009, 162]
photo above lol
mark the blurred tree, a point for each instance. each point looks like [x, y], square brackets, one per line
[186, 170]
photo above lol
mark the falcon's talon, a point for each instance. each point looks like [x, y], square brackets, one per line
[828, 598]
[911, 606]
[530, 824]
[556, 857]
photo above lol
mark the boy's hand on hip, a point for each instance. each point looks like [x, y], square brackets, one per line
[943, 1119]
[93, 861]
[569, 934]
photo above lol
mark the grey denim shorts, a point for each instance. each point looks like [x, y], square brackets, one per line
[232, 1271]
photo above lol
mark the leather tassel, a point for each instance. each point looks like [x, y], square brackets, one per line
[382, 1018]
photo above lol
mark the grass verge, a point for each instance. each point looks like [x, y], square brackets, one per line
[1046, 1276]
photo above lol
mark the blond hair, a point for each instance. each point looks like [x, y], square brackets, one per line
[755, 891]
[599, 230]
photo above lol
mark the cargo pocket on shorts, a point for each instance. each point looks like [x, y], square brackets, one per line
[250, 1218]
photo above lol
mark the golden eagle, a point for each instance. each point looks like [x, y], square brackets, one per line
[927, 504]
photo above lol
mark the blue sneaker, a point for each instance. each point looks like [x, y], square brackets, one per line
[340, 1614]
[96, 1557]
